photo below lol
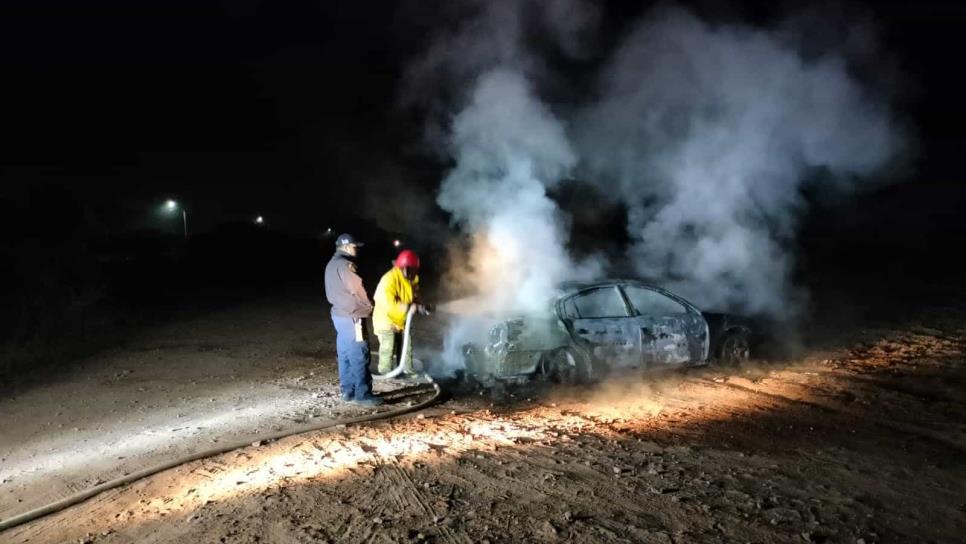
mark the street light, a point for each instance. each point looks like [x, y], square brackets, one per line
[171, 206]
[259, 220]
[396, 243]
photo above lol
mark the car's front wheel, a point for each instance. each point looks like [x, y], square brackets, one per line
[734, 350]
[568, 366]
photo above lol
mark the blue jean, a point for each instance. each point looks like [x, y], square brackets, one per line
[355, 381]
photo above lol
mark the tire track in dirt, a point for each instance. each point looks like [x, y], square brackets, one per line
[809, 399]
[395, 503]
[889, 404]
[927, 395]
[534, 472]
[405, 481]
[542, 467]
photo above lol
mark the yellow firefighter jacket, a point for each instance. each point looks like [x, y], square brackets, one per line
[393, 296]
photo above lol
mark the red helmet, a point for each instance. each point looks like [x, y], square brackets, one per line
[407, 259]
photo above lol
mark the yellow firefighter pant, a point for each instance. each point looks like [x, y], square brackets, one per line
[390, 344]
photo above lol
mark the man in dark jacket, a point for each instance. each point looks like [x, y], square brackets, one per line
[350, 310]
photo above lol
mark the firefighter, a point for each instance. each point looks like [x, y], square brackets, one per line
[350, 310]
[397, 289]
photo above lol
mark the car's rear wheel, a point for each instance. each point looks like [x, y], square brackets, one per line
[734, 350]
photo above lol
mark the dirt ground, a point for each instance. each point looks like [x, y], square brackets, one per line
[860, 441]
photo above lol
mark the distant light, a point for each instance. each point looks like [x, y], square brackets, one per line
[259, 220]
[171, 204]
[396, 243]
[328, 231]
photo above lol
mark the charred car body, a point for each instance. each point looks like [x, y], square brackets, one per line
[591, 328]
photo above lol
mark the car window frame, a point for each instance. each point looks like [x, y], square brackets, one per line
[583, 292]
[691, 308]
[688, 309]
[562, 305]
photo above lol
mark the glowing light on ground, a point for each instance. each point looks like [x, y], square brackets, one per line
[308, 458]
[609, 411]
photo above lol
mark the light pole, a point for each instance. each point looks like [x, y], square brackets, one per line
[171, 206]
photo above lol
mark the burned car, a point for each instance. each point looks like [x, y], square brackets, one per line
[589, 329]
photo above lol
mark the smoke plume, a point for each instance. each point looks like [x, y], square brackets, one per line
[508, 150]
[507, 147]
[482, 35]
[709, 135]
[477, 84]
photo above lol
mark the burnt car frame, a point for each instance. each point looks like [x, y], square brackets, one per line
[590, 329]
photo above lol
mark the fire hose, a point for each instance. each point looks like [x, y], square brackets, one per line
[405, 346]
[82, 496]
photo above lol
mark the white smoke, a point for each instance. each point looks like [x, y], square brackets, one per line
[508, 150]
[507, 146]
[482, 35]
[709, 134]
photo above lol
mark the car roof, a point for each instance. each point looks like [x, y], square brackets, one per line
[568, 289]
[574, 286]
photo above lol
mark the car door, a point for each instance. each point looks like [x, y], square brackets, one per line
[671, 333]
[600, 317]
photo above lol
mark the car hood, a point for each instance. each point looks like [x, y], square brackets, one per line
[479, 306]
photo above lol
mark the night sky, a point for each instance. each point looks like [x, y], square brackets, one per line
[232, 109]
[289, 110]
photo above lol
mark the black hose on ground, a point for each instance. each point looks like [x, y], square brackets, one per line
[124, 480]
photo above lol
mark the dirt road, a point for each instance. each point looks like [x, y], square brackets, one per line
[864, 442]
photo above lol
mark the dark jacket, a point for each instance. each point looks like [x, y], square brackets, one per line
[343, 288]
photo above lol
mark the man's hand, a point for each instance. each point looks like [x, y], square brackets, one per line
[424, 309]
